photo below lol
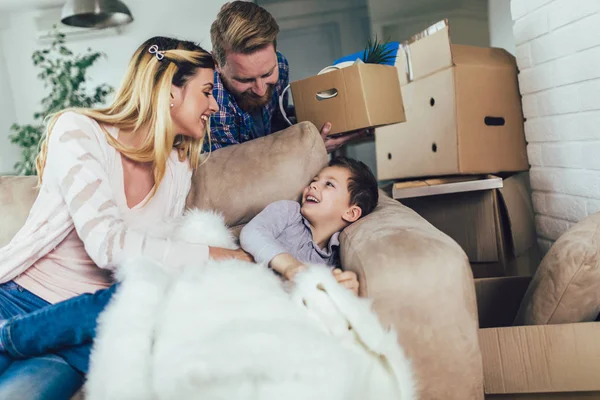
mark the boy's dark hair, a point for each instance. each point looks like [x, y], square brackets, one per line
[362, 184]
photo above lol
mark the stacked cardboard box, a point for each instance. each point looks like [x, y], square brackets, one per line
[463, 118]
[463, 111]
[493, 224]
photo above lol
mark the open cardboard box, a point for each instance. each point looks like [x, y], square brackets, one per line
[463, 112]
[495, 227]
[351, 98]
[533, 362]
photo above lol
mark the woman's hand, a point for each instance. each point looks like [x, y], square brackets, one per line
[348, 279]
[218, 253]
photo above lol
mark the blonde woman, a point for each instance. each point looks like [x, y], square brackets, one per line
[106, 176]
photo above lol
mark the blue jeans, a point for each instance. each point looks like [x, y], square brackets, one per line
[48, 377]
[67, 328]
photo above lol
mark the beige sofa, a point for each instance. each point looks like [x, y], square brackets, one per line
[418, 278]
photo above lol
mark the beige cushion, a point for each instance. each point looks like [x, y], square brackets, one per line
[566, 286]
[17, 194]
[421, 283]
[241, 180]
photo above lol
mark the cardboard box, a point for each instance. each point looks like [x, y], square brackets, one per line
[533, 362]
[446, 185]
[356, 97]
[496, 227]
[463, 112]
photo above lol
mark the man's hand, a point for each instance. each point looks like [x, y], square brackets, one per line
[218, 253]
[334, 143]
[348, 279]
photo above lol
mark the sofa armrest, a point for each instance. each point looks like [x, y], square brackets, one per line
[421, 283]
[17, 194]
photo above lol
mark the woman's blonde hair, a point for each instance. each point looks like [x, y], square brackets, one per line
[143, 100]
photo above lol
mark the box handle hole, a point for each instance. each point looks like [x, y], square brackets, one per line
[327, 94]
[389, 156]
[494, 121]
[434, 148]
[432, 102]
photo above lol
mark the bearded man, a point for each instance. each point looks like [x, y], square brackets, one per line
[250, 76]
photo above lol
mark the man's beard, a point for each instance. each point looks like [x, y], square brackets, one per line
[249, 102]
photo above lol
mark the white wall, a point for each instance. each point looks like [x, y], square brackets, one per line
[558, 52]
[185, 19]
[466, 27]
[501, 25]
[314, 33]
[399, 20]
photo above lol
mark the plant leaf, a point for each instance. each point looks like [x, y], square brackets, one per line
[378, 53]
[65, 74]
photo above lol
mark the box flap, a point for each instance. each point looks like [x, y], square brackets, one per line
[515, 201]
[427, 54]
[482, 56]
[541, 358]
[499, 299]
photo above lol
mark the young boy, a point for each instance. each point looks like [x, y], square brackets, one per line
[286, 235]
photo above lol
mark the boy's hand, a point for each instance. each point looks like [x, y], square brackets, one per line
[348, 279]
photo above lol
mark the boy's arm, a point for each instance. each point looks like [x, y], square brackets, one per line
[287, 265]
[260, 236]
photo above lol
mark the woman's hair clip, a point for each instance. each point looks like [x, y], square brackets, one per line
[154, 50]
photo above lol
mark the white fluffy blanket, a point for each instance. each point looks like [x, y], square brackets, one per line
[232, 330]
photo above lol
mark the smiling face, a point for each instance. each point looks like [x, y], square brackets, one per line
[193, 104]
[251, 77]
[326, 201]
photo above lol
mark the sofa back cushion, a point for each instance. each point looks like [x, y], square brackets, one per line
[17, 194]
[566, 286]
[238, 181]
[241, 180]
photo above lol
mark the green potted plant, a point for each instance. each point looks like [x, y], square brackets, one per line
[378, 53]
[65, 73]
